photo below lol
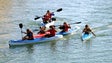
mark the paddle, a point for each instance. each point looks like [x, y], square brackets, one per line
[37, 17]
[75, 23]
[59, 25]
[70, 23]
[21, 26]
[53, 19]
[58, 10]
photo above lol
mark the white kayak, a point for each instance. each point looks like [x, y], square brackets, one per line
[85, 37]
[70, 31]
[47, 24]
[36, 40]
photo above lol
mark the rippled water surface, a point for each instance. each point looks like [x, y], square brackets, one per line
[96, 13]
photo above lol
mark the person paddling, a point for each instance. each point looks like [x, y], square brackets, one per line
[87, 30]
[47, 17]
[64, 27]
[48, 14]
[52, 31]
[42, 30]
[29, 35]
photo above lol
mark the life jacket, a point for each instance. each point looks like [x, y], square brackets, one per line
[52, 32]
[41, 32]
[49, 15]
[30, 35]
[66, 27]
[45, 18]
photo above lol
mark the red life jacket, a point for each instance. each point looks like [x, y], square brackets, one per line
[45, 18]
[66, 27]
[52, 32]
[48, 15]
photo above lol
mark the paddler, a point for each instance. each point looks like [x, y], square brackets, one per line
[42, 30]
[29, 35]
[48, 14]
[47, 17]
[64, 27]
[52, 31]
[87, 30]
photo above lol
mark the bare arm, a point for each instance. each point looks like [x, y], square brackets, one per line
[92, 32]
[83, 30]
[24, 32]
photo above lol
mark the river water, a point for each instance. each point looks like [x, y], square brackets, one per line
[96, 13]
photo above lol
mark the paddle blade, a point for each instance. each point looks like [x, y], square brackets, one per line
[53, 19]
[76, 23]
[37, 17]
[61, 27]
[20, 25]
[58, 10]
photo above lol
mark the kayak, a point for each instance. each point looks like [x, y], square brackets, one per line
[36, 40]
[47, 24]
[85, 37]
[69, 32]
[40, 35]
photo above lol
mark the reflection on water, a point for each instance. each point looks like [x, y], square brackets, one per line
[30, 49]
[87, 44]
[53, 46]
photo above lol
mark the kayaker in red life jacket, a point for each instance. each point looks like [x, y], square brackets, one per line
[45, 19]
[64, 27]
[51, 31]
[87, 30]
[48, 14]
[42, 30]
[29, 35]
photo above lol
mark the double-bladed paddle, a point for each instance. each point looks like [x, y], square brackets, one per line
[21, 26]
[70, 23]
[75, 23]
[58, 10]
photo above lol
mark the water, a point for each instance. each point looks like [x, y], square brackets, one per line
[98, 14]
